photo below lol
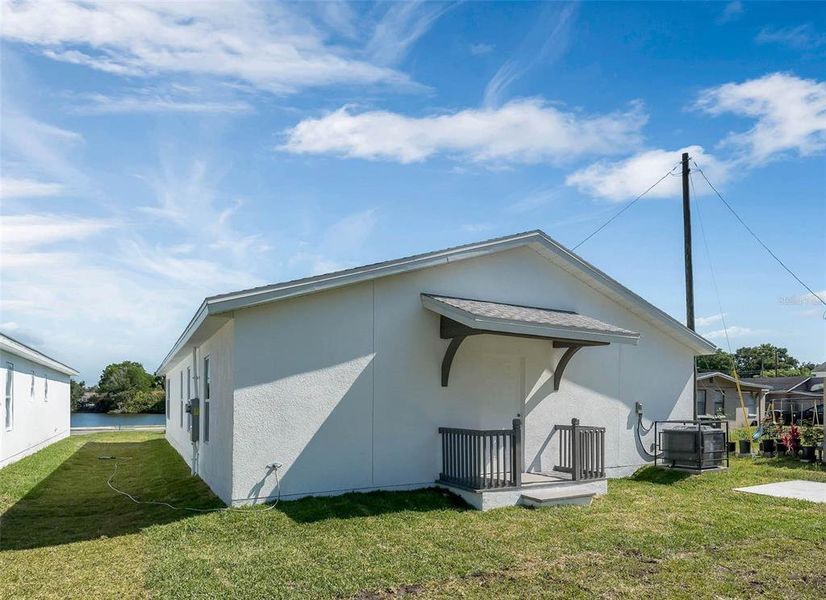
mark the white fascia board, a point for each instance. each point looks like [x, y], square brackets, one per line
[524, 328]
[190, 329]
[229, 302]
[12, 346]
[794, 387]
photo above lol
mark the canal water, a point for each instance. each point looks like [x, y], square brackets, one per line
[116, 421]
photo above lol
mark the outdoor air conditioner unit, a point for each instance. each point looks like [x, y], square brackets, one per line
[695, 447]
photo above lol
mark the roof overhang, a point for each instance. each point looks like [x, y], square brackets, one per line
[20, 349]
[202, 326]
[460, 318]
[487, 317]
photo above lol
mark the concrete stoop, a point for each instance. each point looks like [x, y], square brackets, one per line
[550, 493]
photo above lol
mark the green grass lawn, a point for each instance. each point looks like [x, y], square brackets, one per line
[65, 534]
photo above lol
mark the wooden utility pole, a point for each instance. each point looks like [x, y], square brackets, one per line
[689, 269]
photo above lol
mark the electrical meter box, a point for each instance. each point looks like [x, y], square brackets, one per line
[193, 407]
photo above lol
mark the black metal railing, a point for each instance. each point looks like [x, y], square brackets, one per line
[581, 451]
[482, 459]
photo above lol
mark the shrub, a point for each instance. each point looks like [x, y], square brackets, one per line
[811, 436]
[140, 401]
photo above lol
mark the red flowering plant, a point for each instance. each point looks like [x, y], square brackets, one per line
[791, 438]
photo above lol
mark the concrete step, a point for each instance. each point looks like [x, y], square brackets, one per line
[553, 498]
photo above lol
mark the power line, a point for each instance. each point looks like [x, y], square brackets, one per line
[754, 235]
[710, 263]
[626, 207]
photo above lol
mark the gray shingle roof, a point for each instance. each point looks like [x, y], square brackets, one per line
[484, 312]
[780, 384]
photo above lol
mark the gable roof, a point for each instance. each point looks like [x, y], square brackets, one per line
[12, 346]
[223, 304]
[746, 383]
[782, 384]
[820, 368]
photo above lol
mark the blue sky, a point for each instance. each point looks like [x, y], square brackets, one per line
[157, 153]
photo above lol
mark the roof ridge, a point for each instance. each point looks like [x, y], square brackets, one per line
[410, 257]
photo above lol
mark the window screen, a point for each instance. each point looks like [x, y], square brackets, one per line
[9, 396]
[701, 402]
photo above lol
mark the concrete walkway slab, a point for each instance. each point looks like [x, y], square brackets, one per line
[813, 491]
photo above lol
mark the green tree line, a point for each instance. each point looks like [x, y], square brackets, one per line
[765, 360]
[123, 387]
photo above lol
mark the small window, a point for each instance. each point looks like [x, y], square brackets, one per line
[207, 395]
[181, 389]
[701, 402]
[45, 388]
[188, 396]
[31, 389]
[751, 405]
[206, 421]
[9, 396]
[207, 379]
[182, 414]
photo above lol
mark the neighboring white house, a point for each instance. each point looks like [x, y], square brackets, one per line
[718, 396]
[36, 400]
[346, 379]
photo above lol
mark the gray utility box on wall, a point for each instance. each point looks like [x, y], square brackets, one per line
[693, 447]
[193, 407]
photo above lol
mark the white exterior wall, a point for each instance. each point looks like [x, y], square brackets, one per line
[212, 458]
[343, 387]
[37, 421]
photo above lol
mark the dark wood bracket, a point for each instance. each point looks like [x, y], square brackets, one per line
[447, 361]
[457, 332]
[563, 362]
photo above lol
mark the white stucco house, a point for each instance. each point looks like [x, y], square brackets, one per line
[462, 367]
[36, 400]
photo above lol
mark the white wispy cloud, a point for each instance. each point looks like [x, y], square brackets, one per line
[400, 26]
[801, 37]
[536, 199]
[153, 103]
[731, 12]
[187, 195]
[45, 150]
[476, 227]
[481, 49]
[735, 331]
[789, 114]
[334, 248]
[547, 41]
[271, 46]
[16, 187]
[523, 131]
[710, 320]
[625, 179]
[23, 232]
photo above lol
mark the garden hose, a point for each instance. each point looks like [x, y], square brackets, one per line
[118, 460]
